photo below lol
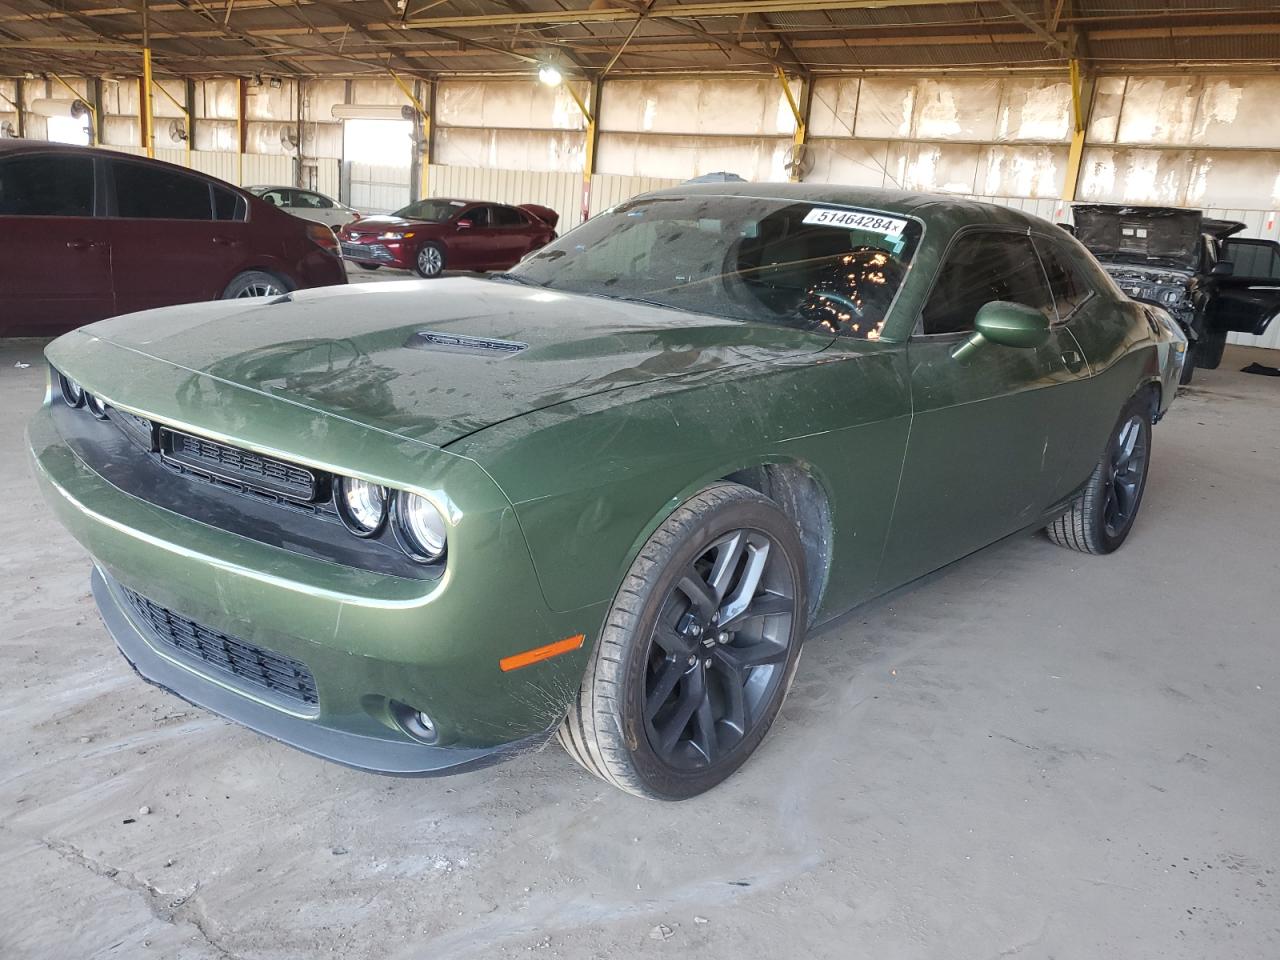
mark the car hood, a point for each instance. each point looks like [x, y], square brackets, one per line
[437, 360]
[382, 224]
[1143, 235]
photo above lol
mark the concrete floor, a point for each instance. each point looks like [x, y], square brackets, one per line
[1033, 754]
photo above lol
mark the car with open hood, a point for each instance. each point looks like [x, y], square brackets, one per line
[604, 496]
[1212, 281]
[431, 236]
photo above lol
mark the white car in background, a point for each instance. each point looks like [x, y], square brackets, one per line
[307, 204]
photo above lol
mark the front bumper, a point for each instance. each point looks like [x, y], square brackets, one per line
[391, 254]
[375, 754]
[371, 641]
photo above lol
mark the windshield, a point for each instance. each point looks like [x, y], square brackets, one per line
[433, 211]
[803, 265]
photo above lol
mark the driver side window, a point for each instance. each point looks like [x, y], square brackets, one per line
[982, 267]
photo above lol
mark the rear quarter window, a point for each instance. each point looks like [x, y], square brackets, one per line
[228, 205]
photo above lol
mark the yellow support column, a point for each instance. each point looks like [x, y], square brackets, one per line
[589, 158]
[148, 115]
[424, 116]
[1079, 115]
[801, 126]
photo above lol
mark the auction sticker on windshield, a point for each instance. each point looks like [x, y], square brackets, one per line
[853, 220]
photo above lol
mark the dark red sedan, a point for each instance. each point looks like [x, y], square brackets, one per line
[431, 236]
[87, 234]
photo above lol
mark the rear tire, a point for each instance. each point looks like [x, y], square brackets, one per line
[367, 266]
[255, 283]
[1100, 518]
[698, 649]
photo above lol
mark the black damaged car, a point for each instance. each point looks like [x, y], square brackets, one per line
[1211, 281]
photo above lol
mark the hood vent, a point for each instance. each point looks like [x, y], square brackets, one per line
[456, 343]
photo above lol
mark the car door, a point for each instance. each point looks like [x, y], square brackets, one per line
[1248, 299]
[471, 247]
[55, 255]
[991, 433]
[166, 246]
[515, 236]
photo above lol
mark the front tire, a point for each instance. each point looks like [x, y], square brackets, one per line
[1209, 349]
[698, 650]
[367, 266]
[429, 261]
[1100, 518]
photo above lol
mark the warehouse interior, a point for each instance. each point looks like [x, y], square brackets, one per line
[1022, 755]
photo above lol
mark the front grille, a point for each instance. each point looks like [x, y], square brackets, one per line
[251, 664]
[237, 465]
[138, 429]
[366, 251]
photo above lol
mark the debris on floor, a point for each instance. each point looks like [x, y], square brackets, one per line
[1261, 370]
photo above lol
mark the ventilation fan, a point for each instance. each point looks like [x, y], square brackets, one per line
[177, 131]
[80, 109]
[8, 131]
[288, 140]
[798, 161]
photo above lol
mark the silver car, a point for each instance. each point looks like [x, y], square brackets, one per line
[307, 204]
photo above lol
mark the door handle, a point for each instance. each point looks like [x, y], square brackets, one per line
[1073, 360]
[81, 244]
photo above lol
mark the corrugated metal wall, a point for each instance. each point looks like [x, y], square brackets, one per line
[608, 189]
[257, 168]
[562, 192]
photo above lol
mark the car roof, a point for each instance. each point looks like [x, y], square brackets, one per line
[926, 206]
[14, 146]
[282, 186]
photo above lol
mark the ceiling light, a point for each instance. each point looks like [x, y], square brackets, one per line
[549, 75]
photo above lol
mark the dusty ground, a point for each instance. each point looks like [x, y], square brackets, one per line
[1034, 754]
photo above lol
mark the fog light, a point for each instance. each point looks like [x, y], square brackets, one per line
[416, 723]
[96, 406]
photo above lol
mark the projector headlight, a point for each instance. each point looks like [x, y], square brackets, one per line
[419, 527]
[361, 505]
[96, 406]
[72, 392]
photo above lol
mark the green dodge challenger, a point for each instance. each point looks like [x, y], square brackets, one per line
[417, 527]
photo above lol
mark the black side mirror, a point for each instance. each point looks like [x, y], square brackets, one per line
[1223, 268]
[1006, 324]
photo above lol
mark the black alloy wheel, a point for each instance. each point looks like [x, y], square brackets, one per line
[717, 650]
[698, 649]
[1127, 473]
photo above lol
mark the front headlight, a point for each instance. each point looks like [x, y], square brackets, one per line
[96, 406]
[72, 392]
[394, 236]
[361, 505]
[419, 527]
